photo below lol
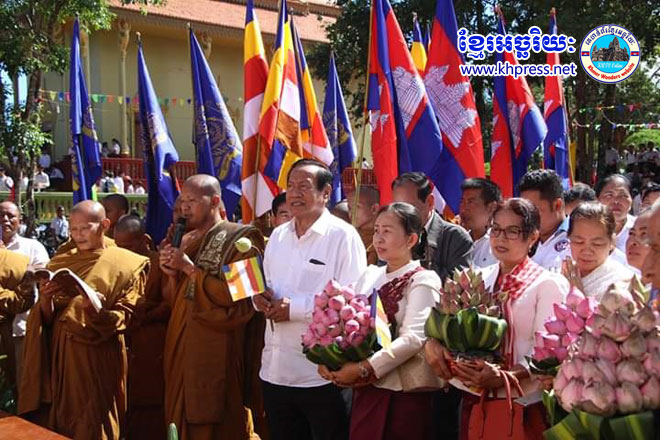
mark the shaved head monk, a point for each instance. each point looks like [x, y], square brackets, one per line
[146, 340]
[213, 344]
[116, 205]
[76, 380]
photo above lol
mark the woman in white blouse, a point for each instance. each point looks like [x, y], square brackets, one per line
[383, 406]
[531, 290]
[614, 192]
[592, 235]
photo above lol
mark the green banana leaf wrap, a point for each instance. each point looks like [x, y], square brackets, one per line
[545, 367]
[334, 357]
[582, 425]
[467, 331]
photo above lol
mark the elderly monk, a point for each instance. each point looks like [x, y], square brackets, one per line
[213, 345]
[145, 339]
[76, 380]
[15, 297]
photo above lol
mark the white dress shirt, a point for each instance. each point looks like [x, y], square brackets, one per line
[41, 180]
[550, 254]
[600, 279]
[483, 254]
[421, 294]
[38, 256]
[119, 184]
[622, 237]
[298, 269]
[529, 312]
[60, 227]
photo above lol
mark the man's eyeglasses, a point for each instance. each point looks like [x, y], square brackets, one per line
[510, 233]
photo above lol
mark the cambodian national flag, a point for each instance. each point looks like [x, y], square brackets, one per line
[405, 134]
[556, 154]
[453, 103]
[518, 126]
[219, 149]
[418, 48]
[338, 128]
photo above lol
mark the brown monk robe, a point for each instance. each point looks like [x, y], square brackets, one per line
[14, 298]
[213, 345]
[75, 377]
[367, 211]
[145, 336]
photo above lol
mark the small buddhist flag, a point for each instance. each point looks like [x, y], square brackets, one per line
[244, 278]
[383, 334]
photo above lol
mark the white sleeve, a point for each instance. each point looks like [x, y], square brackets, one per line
[353, 262]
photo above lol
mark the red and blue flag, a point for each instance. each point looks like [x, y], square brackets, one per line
[453, 103]
[518, 126]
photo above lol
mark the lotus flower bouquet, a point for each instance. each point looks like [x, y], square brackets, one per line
[561, 331]
[342, 329]
[468, 318]
[613, 369]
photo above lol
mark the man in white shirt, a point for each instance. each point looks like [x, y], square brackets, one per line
[41, 179]
[36, 252]
[301, 257]
[44, 160]
[478, 202]
[6, 182]
[543, 188]
[60, 225]
[118, 180]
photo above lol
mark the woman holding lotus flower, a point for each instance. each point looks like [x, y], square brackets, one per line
[531, 292]
[383, 405]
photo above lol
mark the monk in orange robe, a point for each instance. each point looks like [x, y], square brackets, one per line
[145, 339]
[76, 380]
[366, 213]
[15, 297]
[213, 345]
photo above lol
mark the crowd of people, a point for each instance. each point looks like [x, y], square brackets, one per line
[169, 344]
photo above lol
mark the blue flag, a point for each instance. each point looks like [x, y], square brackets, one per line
[338, 129]
[85, 149]
[219, 149]
[160, 155]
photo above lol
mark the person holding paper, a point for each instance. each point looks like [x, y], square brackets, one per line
[76, 380]
[213, 344]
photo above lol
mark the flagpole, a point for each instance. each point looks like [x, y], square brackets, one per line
[192, 89]
[366, 126]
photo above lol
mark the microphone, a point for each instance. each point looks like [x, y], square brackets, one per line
[179, 230]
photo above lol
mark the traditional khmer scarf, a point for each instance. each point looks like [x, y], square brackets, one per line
[514, 284]
[391, 293]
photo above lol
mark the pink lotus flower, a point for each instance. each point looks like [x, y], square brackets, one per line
[362, 318]
[320, 329]
[574, 323]
[653, 342]
[586, 308]
[646, 320]
[631, 370]
[572, 368]
[321, 300]
[334, 330]
[357, 303]
[326, 340]
[562, 312]
[574, 297]
[608, 349]
[332, 288]
[591, 373]
[332, 316]
[317, 315]
[560, 382]
[588, 346]
[364, 330]
[337, 302]
[628, 398]
[464, 281]
[561, 353]
[599, 398]
[351, 326]
[608, 369]
[634, 346]
[538, 338]
[617, 327]
[348, 294]
[341, 342]
[541, 353]
[309, 339]
[652, 363]
[347, 313]
[617, 300]
[571, 395]
[551, 341]
[651, 393]
[357, 339]
[589, 324]
[555, 326]
[568, 339]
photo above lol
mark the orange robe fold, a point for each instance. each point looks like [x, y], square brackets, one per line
[76, 380]
[213, 346]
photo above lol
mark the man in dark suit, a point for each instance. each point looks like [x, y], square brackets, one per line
[442, 247]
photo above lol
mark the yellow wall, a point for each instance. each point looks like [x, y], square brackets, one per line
[166, 54]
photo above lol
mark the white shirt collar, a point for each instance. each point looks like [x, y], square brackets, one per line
[402, 270]
[320, 226]
[428, 222]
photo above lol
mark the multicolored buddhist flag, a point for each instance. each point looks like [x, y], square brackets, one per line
[258, 190]
[219, 149]
[556, 155]
[279, 126]
[418, 48]
[518, 125]
[338, 128]
[160, 156]
[383, 334]
[453, 103]
[405, 133]
[244, 278]
[86, 167]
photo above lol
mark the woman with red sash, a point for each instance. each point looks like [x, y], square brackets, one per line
[392, 396]
[532, 291]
